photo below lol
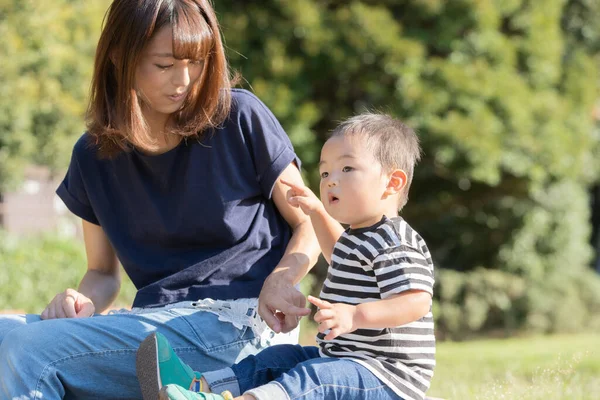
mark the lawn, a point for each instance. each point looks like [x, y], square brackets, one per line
[558, 367]
[532, 368]
[547, 367]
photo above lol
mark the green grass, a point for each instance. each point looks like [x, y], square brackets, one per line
[549, 367]
[558, 367]
[34, 269]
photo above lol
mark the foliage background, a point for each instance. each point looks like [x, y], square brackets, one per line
[502, 93]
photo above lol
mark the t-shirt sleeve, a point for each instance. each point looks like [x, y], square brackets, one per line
[271, 148]
[72, 191]
[401, 268]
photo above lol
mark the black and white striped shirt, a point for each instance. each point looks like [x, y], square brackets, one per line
[371, 264]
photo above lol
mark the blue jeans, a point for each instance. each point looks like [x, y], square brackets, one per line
[94, 358]
[285, 372]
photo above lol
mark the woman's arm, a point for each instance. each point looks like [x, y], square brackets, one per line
[280, 304]
[102, 281]
[99, 286]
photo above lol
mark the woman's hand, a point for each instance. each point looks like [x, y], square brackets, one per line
[69, 304]
[336, 318]
[280, 304]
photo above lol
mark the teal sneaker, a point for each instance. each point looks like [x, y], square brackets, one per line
[175, 392]
[157, 365]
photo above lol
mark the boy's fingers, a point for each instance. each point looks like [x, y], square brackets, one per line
[290, 184]
[294, 187]
[293, 201]
[324, 315]
[319, 303]
[298, 201]
[332, 334]
[302, 201]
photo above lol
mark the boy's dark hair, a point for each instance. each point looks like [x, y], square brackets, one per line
[394, 145]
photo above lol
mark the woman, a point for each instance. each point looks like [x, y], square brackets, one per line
[177, 179]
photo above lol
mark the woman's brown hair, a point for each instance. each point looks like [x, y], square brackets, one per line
[114, 117]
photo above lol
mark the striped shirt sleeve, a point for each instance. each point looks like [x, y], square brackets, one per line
[400, 268]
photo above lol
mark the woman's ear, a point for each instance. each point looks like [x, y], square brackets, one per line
[396, 182]
[112, 55]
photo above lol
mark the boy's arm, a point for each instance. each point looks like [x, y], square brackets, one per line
[405, 280]
[396, 310]
[327, 229]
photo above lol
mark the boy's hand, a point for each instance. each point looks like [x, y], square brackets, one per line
[338, 318]
[303, 197]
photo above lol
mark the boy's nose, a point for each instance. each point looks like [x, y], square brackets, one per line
[332, 183]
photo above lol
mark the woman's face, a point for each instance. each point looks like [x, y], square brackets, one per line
[162, 81]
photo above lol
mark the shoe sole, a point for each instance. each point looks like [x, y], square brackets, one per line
[146, 369]
[162, 395]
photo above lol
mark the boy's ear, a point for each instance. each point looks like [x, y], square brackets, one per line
[396, 183]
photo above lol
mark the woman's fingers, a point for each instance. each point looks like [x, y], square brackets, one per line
[86, 309]
[68, 304]
[51, 312]
[68, 307]
[269, 317]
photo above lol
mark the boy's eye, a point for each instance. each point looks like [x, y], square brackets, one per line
[347, 169]
[324, 175]
[163, 66]
[196, 62]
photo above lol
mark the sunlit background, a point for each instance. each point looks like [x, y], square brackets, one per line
[503, 93]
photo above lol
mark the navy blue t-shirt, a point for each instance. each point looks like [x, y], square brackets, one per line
[197, 221]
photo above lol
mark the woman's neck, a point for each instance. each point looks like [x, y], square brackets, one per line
[163, 139]
[162, 144]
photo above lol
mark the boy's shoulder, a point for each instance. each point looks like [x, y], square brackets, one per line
[399, 232]
[396, 236]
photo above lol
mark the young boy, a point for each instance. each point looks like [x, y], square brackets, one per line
[376, 338]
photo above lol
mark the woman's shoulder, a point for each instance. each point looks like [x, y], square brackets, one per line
[243, 101]
[244, 96]
[85, 146]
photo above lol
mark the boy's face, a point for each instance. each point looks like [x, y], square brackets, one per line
[353, 183]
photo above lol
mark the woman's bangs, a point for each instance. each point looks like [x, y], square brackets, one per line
[193, 38]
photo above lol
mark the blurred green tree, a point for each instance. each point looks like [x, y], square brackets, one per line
[47, 51]
[502, 94]
[501, 91]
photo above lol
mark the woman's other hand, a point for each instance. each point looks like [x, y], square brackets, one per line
[69, 304]
[280, 304]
